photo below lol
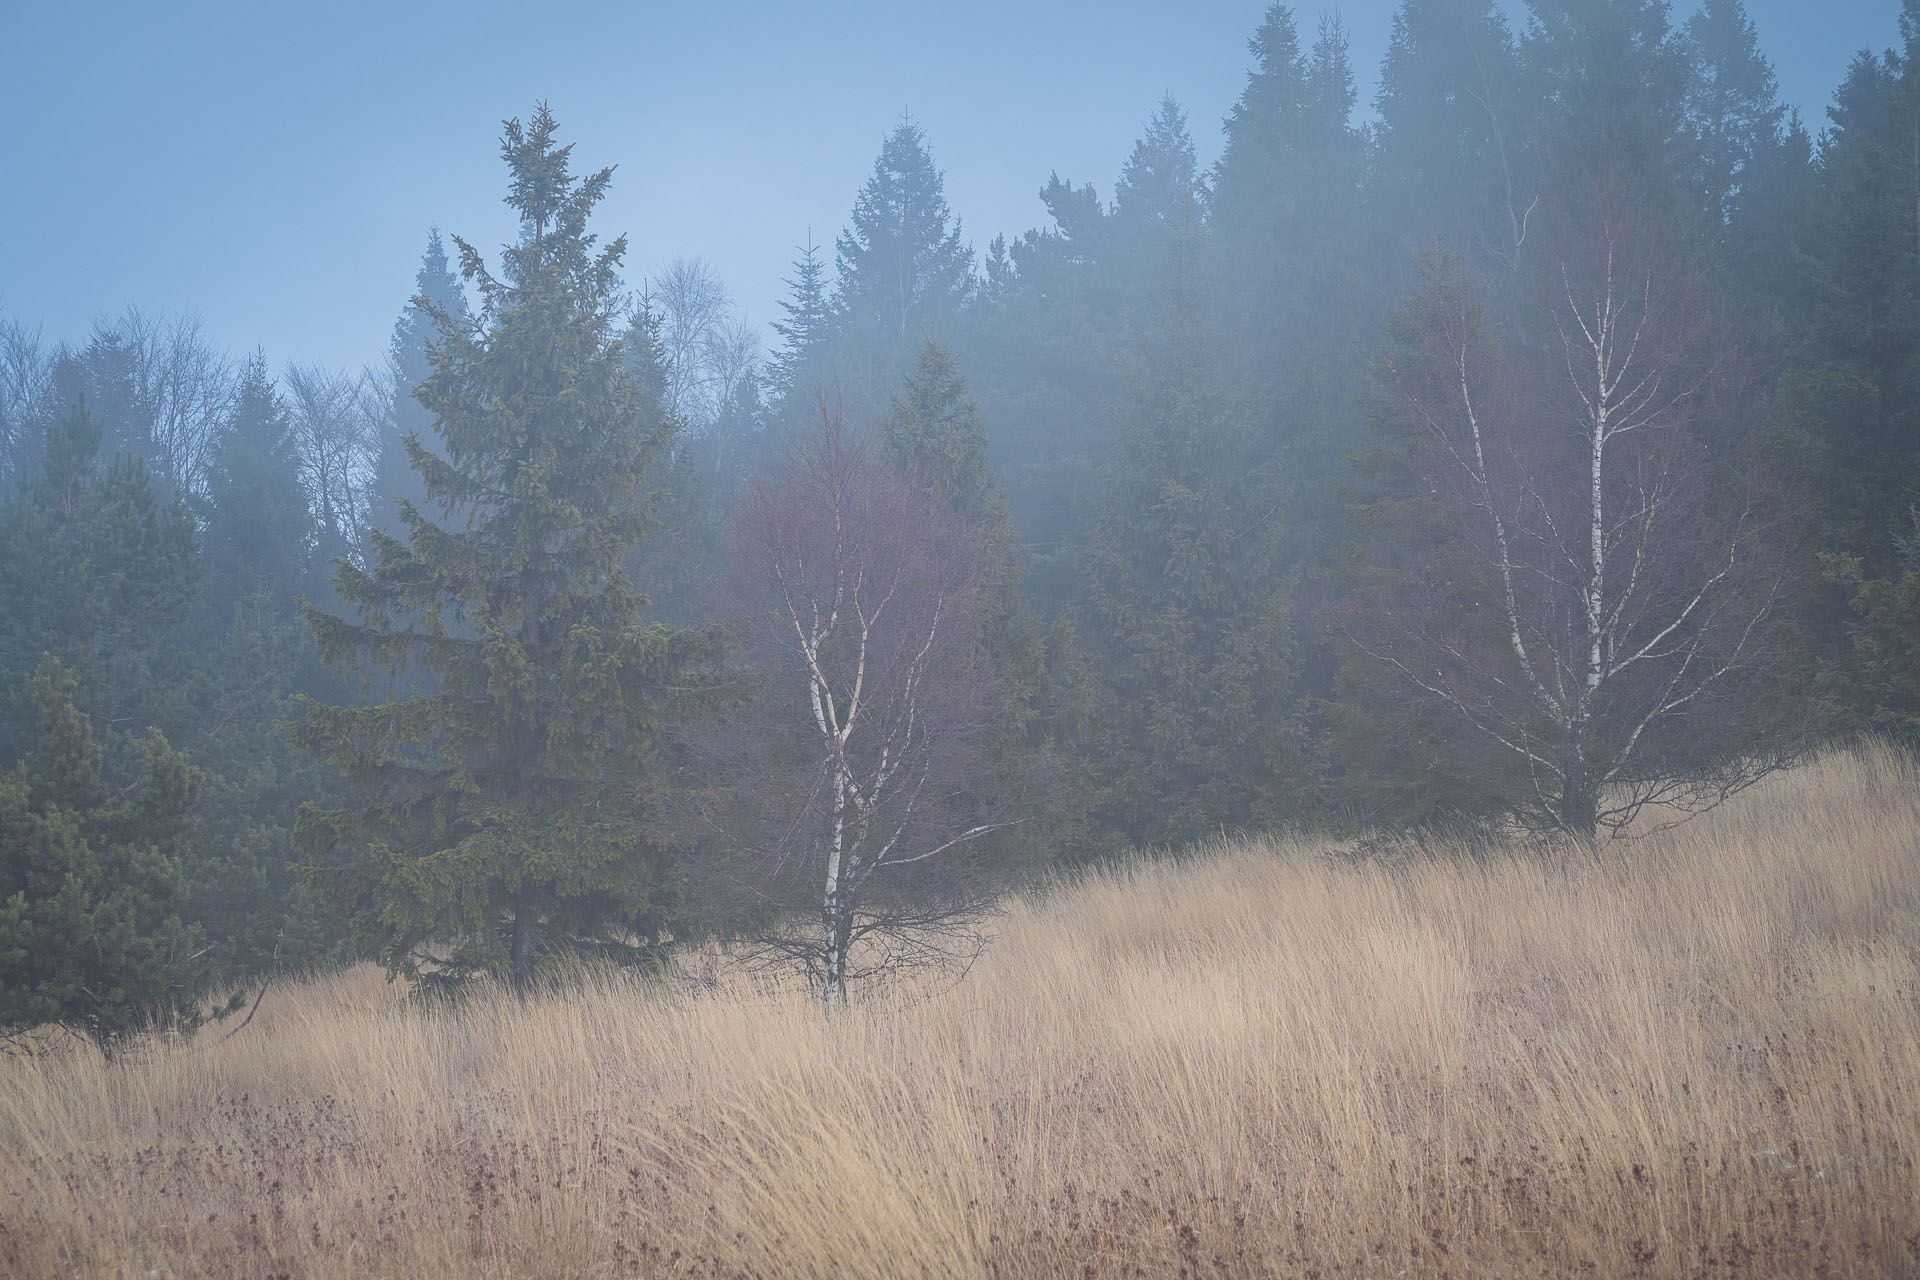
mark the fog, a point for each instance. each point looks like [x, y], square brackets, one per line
[486, 494]
[274, 169]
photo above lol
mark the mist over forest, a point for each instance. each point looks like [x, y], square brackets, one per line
[1529, 450]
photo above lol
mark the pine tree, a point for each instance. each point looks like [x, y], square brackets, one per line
[507, 811]
[1451, 153]
[1732, 104]
[804, 332]
[1296, 269]
[95, 568]
[257, 523]
[436, 289]
[1194, 718]
[902, 270]
[91, 889]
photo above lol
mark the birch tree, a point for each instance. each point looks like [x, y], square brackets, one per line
[1606, 601]
[871, 596]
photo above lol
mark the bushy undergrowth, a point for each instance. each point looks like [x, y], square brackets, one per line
[1690, 1055]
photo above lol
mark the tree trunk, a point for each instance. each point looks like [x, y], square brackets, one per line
[838, 923]
[1580, 805]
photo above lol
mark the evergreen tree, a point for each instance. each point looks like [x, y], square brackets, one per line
[257, 523]
[95, 569]
[804, 332]
[507, 811]
[902, 270]
[679, 551]
[1850, 389]
[1451, 158]
[436, 290]
[1609, 78]
[936, 435]
[1194, 719]
[1732, 104]
[1294, 260]
[1044, 340]
[91, 889]
[1159, 181]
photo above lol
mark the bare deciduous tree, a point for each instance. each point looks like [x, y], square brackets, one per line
[1606, 598]
[184, 385]
[25, 367]
[866, 803]
[337, 419]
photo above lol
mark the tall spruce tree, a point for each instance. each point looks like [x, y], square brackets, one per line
[1194, 719]
[1297, 273]
[436, 290]
[902, 270]
[506, 820]
[96, 568]
[257, 522]
[936, 436]
[804, 332]
[1451, 158]
[1732, 104]
[1159, 180]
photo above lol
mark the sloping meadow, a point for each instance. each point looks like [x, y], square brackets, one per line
[1689, 1055]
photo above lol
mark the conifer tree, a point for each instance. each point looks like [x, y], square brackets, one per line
[805, 329]
[507, 811]
[1194, 718]
[258, 524]
[937, 437]
[901, 269]
[95, 568]
[1732, 104]
[1297, 274]
[1159, 180]
[91, 889]
[1451, 155]
[438, 286]
[1850, 390]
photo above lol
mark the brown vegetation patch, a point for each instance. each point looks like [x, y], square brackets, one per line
[1691, 1056]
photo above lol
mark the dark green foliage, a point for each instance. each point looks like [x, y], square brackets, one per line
[1294, 257]
[903, 272]
[95, 568]
[507, 815]
[1732, 105]
[804, 333]
[257, 525]
[1194, 720]
[1452, 158]
[1608, 76]
[936, 435]
[1850, 390]
[91, 888]
[1875, 681]
[436, 290]
[1044, 339]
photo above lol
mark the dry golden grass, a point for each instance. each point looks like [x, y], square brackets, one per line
[1699, 1055]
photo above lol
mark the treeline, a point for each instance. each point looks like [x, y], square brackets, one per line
[1538, 450]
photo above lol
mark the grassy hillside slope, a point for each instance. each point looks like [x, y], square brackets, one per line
[1698, 1054]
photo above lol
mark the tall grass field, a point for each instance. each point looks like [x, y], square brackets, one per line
[1696, 1054]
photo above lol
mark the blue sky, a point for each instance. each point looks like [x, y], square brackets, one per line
[274, 168]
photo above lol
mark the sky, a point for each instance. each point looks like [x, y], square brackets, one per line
[274, 168]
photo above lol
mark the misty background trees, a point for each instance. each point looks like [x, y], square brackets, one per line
[1536, 448]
